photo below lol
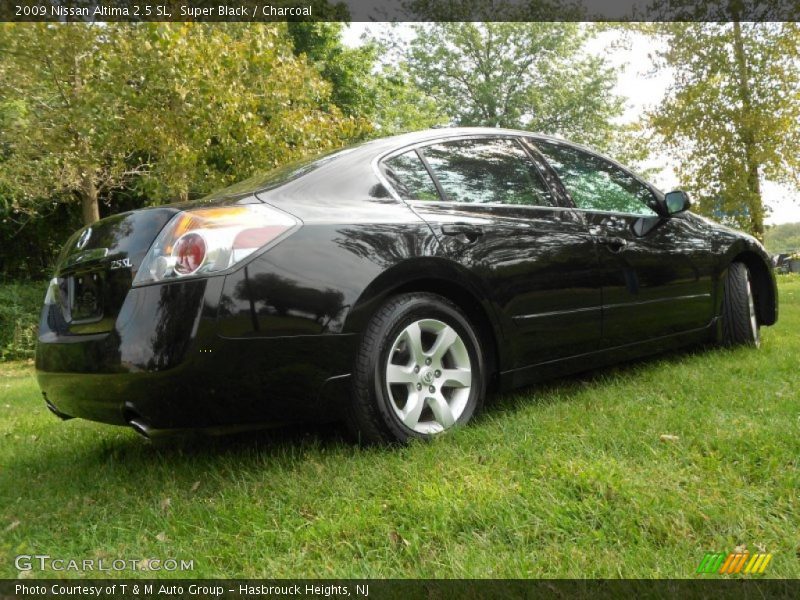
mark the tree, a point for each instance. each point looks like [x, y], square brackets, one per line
[732, 115]
[401, 106]
[55, 116]
[532, 75]
[175, 109]
[349, 70]
[362, 88]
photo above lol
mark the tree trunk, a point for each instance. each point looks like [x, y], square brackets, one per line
[754, 201]
[88, 194]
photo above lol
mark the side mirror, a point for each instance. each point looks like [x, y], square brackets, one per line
[676, 202]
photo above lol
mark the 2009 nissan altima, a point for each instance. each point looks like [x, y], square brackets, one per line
[388, 285]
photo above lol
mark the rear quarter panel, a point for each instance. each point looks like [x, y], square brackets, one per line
[311, 282]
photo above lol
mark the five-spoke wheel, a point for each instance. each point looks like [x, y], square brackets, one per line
[419, 371]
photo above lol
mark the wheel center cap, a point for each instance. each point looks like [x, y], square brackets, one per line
[427, 377]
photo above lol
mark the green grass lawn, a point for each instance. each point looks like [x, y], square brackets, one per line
[568, 479]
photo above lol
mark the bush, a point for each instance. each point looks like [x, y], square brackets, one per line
[28, 251]
[20, 305]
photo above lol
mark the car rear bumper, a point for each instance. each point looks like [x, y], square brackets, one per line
[165, 366]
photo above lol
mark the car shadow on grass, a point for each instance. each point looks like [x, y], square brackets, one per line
[289, 445]
[561, 388]
[297, 438]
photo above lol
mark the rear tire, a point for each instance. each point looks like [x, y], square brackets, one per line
[739, 320]
[419, 371]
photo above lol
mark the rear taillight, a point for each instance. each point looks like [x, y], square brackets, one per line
[189, 252]
[209, 240]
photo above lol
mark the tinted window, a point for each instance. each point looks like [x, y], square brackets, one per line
[410, 178]
[487, 171]
[596, 184]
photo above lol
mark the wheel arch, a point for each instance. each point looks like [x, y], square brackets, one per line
[436, 276]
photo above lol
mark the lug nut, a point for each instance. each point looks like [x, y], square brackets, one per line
[416, 368]
[427, 361]
[432, 389]
[438, 373]
[419, 386]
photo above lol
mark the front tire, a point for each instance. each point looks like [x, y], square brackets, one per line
[419, 371]
[739, 320]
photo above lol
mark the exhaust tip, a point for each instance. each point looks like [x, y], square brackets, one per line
[141, 428]
[52, 408]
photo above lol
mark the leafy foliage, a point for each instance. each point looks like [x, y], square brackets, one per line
[382, 94]
[348, 70]
[401, 106]
[732, 115]
[171, 109]
[783, 239]
[530, 75]
[31, 241]
[20, 304]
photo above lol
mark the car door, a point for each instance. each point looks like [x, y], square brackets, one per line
[657, 272]
[496, 215]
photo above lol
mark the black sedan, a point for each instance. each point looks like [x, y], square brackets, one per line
[389, 285]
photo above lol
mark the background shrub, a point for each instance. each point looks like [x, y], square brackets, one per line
[20, 305]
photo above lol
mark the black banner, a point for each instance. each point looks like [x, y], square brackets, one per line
[396, 10]
[402, 589]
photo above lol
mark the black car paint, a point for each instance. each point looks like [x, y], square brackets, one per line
[273, 340]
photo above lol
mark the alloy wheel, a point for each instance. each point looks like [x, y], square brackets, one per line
[428, 376]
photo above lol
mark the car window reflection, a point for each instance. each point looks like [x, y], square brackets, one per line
[594, 183]
[496, 171]
[410, 177]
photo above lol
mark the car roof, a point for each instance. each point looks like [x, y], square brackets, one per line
[426, 135]
[389, 145]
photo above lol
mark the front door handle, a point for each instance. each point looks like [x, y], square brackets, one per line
[468, 232]
[614, 224]
[615, 244]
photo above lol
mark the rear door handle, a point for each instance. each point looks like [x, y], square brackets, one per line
[615, 244]
[469, 232]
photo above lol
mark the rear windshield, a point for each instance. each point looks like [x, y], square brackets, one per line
[268, 180]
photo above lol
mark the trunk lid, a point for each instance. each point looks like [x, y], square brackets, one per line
[96, 268]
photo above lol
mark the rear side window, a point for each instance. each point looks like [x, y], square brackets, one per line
[482, 171]
[410, 178]
[596, 184]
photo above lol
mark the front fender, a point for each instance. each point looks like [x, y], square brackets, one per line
[749, 251]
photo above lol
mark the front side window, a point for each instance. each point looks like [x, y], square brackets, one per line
[410, 178]
[496, 171]
[596, 184]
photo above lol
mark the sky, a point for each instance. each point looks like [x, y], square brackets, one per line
[642, 89]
